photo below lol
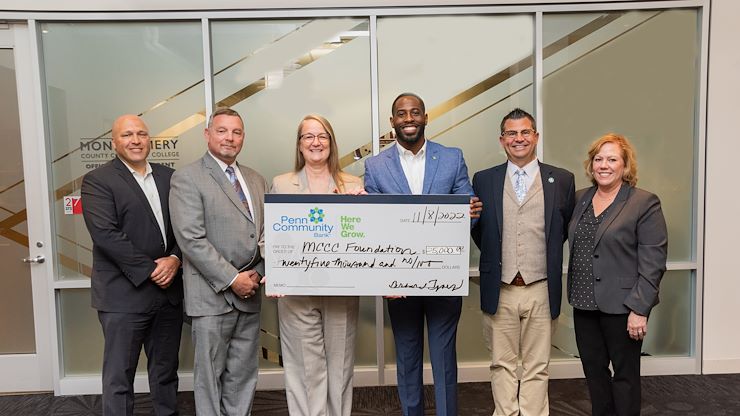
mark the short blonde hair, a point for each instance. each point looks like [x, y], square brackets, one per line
[628, 156]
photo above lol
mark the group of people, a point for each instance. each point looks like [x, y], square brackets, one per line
[169, 243]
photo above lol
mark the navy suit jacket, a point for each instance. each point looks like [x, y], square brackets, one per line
[127, 239]
[558, 186]
[445, 172]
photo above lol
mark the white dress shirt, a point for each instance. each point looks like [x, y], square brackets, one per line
[413, 167]
[531, 169]
[149, 187]
[239, 177]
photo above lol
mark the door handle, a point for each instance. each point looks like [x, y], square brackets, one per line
[38, 259]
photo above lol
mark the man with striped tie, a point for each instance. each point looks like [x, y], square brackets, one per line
[216, 206]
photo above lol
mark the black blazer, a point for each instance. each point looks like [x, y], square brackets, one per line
[126, 239]
[558, 186]
[630, 250]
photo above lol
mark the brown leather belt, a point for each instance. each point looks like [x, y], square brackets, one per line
[518, 280]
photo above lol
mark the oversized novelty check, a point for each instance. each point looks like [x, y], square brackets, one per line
[414, 245]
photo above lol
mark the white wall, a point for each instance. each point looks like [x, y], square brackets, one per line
[722, 228]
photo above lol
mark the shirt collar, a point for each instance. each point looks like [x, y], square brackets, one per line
[134, 172]
[530, 168]
[221, 163]
[403, 152]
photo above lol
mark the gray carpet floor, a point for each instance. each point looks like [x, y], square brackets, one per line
[662, 395]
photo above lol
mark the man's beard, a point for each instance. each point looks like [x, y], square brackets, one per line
[400, 136]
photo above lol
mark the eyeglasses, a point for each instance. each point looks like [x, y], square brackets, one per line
[309, 137]
[526, 133]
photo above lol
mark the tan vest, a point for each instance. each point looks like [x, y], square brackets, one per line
[523, 248]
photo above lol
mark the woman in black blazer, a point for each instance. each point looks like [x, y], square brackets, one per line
[618, 247]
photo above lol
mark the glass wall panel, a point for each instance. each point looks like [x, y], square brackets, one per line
[16, 303]
[602, 74]
[274, 73]
[467, 90]
[633, 73]
[82, 341]
[669, 327]
[95, 72]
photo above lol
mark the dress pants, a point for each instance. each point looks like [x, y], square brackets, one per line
[442, 314]
[159, 332]
[521, 328]
[317, 337]
[601, 338]
[226, 363]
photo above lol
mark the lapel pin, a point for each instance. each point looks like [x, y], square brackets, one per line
[551, 179]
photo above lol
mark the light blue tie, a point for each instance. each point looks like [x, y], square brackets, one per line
[520, 186]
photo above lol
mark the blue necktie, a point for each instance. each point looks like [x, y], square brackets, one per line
[520, 186]
[238, 188]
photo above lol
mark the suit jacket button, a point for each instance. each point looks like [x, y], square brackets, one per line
[596, 256]
[251, 235]
[597, 278]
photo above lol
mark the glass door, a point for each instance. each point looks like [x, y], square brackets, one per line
[25, 352]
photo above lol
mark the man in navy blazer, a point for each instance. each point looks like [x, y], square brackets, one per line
[136, 280]
[417, 166]
[520, 234]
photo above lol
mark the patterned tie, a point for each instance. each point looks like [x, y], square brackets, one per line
[238, 188]
[520, 187]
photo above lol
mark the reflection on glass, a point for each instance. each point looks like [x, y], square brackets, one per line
[466, 96]
[96, 72]
[602, 75]
[16, 302]
[282, 70]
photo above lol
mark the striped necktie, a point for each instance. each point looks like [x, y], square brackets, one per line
[238, 188]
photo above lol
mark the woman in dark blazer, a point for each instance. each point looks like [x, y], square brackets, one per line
[618, 247]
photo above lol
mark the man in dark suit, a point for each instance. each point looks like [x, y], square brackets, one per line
[417, 166]
[217, 210]
[520, 235]
[136, 280]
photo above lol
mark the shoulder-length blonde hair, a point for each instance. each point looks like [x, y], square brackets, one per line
[628, 156]
[334, 169]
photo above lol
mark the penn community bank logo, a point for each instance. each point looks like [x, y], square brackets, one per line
[316, 215]
[314, 222]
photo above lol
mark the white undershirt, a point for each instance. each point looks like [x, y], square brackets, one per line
[413, 167]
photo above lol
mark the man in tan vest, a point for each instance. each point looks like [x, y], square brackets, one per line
[520, 235]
